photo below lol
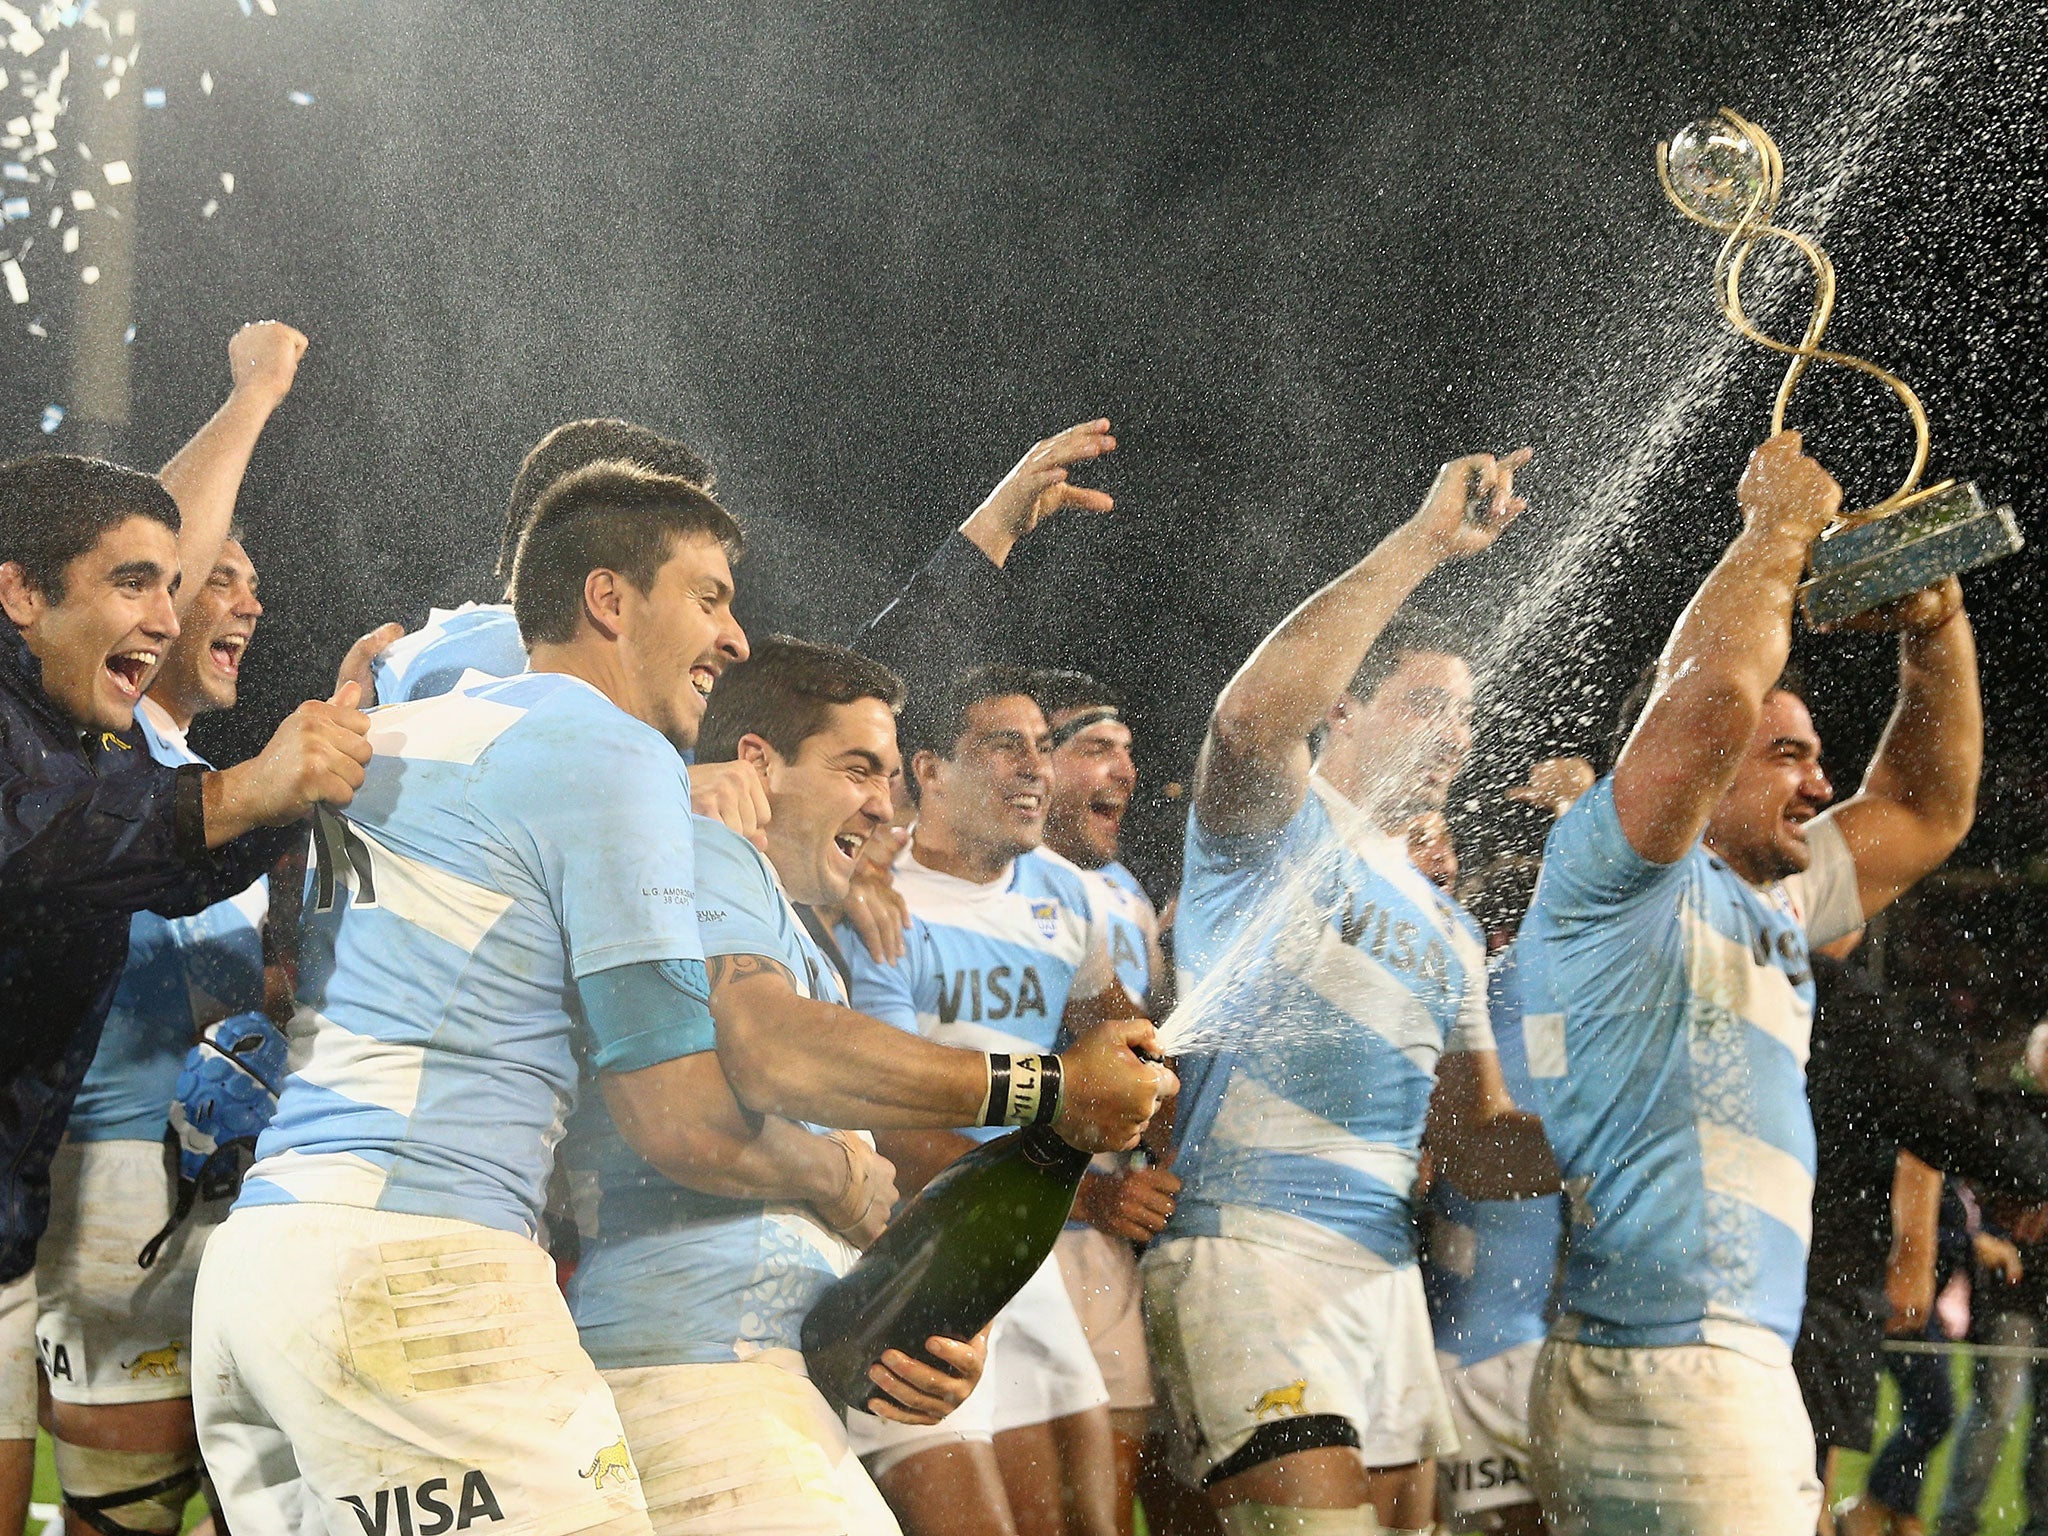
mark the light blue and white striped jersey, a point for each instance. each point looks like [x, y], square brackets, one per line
[1133, 928]
[1322, 975]
[477, 637]
[182, 974]
[509, 839]
[1488, 1265]
[670, 1276]
[1667, 1009]
[988, 967]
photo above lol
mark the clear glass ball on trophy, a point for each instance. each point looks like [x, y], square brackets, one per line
[1717, 171]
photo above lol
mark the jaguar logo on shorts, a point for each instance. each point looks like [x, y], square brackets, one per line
[1281, 1402]
[1047, 915]
[426, 1510]
[613, 1461]
[158, 1363]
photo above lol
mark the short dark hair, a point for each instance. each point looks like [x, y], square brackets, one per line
[1058, 690]
[1408, 635]
[606, 516]
[937, 719]
[1637, 699]
[784, 692]
[578, 444]
[55, 506]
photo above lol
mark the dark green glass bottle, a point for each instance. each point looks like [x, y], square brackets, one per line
[948, 1263]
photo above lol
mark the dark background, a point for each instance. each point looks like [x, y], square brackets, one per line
[865, 255]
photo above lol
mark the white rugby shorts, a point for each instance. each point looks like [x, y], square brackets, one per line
[1101, 1273]
[746, 1448]
[1244, 1334]
[109, 1330]
[359, 1370]
[1490, 1408]
[1684, 1439]
[18, 1358]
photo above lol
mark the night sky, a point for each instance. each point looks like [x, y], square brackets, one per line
[863, 256]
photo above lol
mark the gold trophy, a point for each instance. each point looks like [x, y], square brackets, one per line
[1724, 172]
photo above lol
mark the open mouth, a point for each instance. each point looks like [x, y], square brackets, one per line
[1108, 808]
[129, 669]
[226, 653]
[702, 678]
[850, 844]
[1026, 802]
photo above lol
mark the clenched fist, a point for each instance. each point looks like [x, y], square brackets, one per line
[264, 358]
[316, 757]
[1108, 1092]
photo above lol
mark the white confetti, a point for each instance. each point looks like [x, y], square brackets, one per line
[267, 7]
[36, 328]
[82, 200]
[212, 207]
[53, 417]
[117, 173]
[299, 98]
[247, 8]
[17, 285]
[129, 339]
[18, 126]
[71, 240]
[111, 88]
[13, 208]
[56, 216]
[14, 170]
[227, 182]
[124, 24]
[89, 275]
[153, 97]
[206, 81]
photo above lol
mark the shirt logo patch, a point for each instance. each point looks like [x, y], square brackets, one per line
[1046, 914]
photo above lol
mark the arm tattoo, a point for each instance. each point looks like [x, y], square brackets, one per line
[726, 970]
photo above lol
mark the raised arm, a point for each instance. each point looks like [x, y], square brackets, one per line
[1920, 793]
[1254, 763]
[1729, 647]
[205, 476]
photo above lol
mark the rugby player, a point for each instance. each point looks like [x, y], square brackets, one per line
[1008, 949]
[1121, 1200]
[1669, 1001]
[1326, 987]
[691, 1300]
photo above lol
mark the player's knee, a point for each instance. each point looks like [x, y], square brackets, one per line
[127, 1493]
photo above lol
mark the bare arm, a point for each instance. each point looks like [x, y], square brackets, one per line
[1909, 1275]
[1254, 764]
[205, 476]
[1482, 1145]
[681, 1116]
[1728, 649]
[1920, 794]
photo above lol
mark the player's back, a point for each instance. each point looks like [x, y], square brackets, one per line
[477, 637]
[1322, 976]
[508, 839]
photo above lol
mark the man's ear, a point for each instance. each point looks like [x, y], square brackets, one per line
[924, 770]
[20, 599]
[604, 599]
[757, 753]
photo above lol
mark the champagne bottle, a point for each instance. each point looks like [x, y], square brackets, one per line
[948, 1263]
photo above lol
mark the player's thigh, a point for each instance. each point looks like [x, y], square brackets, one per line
[1489, 1472]
[110, 1331]
[425, 1373]
[18, 1359]
[1101, 1274]
[744, 1448]
[948, 1489]
[1693, 1439]
[1041, 1366]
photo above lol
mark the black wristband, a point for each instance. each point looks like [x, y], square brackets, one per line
[1022, 1090]
[995, 1109]
[1049, 1094]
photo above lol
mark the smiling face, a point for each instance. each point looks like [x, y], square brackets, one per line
[826, 802]
[100, 644]
[204, 666]
[991, 793]
[676, 637]
[1759, 826]
[1093, 779]
[1396, 753]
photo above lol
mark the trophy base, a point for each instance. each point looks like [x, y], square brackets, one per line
[1948, 531]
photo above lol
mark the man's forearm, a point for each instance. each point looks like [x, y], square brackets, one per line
[808, 1060]
[781, 1162]
[205, 478]
[1932, 753]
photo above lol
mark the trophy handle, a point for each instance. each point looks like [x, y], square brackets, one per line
[1743, 234]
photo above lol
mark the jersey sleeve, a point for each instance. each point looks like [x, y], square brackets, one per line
[1825, 892]
[1589, 867]
[739, 909]
[1097, 969]
[1473, 1030]
[887, 991]
[597, 807]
